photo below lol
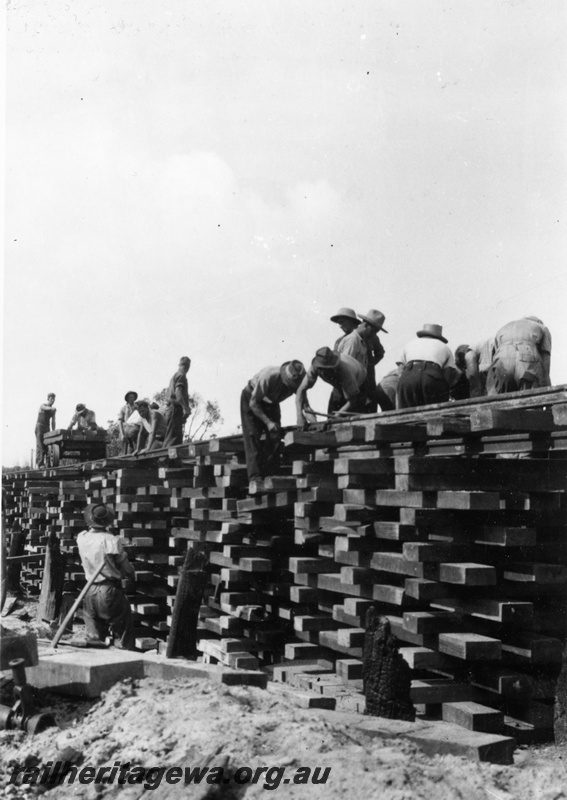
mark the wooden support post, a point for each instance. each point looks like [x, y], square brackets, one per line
[17, 547]
[53, 580]
[182, 639]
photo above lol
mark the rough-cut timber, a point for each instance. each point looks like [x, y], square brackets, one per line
[182, 639]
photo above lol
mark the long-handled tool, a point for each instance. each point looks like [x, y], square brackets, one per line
[75, 606]
[335, 415]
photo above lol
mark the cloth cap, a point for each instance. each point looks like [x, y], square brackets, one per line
[535, 319]
[325, 358]
[127, 395]
[80, 408]
[374, 318]
[98, 514]
[292, 373]
[184, 360]
[144, 402]
[345, 312]
[434, 331]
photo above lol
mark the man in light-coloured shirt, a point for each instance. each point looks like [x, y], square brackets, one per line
[428, 369]
[128, 430]
[151, 430]
[522, 357]
[478, 359]
[347, 321]
[261, 415]
[83, 419]
[345, 374]
[105, 606]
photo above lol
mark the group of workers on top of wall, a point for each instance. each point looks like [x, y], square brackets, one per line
[516, 358]
[142, 424]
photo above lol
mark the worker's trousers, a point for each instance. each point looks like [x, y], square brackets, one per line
[261, 449]
[422, 383]
[41, 448]
[174, 425]
[106, 609]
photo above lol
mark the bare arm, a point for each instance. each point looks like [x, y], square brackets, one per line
[124, 565]
[301, 401]
[256, 409]
[473, 374]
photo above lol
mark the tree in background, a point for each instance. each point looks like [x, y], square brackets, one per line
[205, 416]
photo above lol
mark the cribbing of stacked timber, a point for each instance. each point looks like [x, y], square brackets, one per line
[420, 514]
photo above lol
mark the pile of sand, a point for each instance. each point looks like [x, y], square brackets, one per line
[149, 723]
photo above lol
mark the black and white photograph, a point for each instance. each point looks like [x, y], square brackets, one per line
[284, 411]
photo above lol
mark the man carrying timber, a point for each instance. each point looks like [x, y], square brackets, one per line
[522, 357]
[261, 415]
[152, 429]
[428, 369]
[178, 406]
[345, 374]
[128, 430]
[105, 606]
[45, 423]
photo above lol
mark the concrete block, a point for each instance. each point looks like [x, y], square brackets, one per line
[84, 673]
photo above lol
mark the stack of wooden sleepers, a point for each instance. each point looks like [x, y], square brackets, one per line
[450, 520]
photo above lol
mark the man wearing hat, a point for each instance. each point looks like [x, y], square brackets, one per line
[345, 374]
[261, 415]
[128, 430]
[84, 419]
[428, 369]
[178, 406]
[347, 321]
[372, 323]
[522, 357]
[105, 606]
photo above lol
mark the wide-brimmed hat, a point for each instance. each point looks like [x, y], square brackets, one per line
[325, 358]
[434, 331]
[98, 514]
[345, 312]
[292, 373]
[80, 407]
[127, 395]
[374, 318]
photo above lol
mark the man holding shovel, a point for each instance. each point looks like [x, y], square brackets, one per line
[105, 606]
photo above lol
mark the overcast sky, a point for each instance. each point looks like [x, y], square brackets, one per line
[215, 179]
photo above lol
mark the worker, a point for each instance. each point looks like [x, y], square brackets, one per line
[261, 415]
[461, 389]
[387, 389]
[522, 357]
[347, 321]
[428, 369]
[105, 606]
[84, 419]
[152, 429]
[372, 323]
[178, 406]
[45, 423]
[128, 430]
[478, 359]
[345, 374]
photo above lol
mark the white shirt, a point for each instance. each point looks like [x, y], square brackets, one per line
[94, 547]
[424, 348]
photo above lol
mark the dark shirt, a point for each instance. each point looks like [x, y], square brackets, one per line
[45, 415]
[178, 382]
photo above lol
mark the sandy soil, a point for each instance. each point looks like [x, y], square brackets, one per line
[179, 723]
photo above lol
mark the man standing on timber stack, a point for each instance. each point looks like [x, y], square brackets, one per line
[347, 321]
[45, 423]
[128, 431]
[522, 357]
[105, 606]
[178, 408]
[345, 374]
[261, 415]
[428, 369]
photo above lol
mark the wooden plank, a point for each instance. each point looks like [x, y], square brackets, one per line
[470, 646]
[514, 612]
[512, 419]
[473, 716]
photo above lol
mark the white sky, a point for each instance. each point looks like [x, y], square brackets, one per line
[215, 179]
